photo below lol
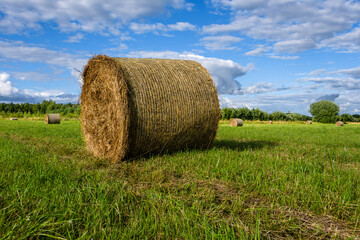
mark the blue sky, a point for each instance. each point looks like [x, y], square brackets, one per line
[278, 55]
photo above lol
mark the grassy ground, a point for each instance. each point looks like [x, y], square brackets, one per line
[259, 181]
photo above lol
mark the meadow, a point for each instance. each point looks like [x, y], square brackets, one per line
[259, 181]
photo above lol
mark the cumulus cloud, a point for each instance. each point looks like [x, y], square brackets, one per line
[140, 28]
[90, 16]
[224, 72]
[9, 93]
[219, 42]
[6, 89]
[294, 26]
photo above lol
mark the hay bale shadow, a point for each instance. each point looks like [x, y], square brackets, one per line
[242, 145]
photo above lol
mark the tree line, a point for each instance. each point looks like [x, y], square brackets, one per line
[323, 111]
[257, 114]
[38, 109]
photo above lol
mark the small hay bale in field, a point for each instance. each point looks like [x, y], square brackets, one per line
[308, 122]
[339, 123]
[270, 122]
[13, 118]
[235, 122]
[131, 107]
[52, 118]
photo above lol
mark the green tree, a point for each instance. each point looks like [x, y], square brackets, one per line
[347, 118]
[324, 111]
[277, 116]
[227, 113]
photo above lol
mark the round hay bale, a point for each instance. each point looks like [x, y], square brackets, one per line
[339, 123]
[52, 118]
[131, 107]
[270, 122]
[308, 122]
[13, 118]
[236, 122]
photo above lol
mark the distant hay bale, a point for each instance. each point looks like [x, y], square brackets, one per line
[52, 118]
[339, 123]
[270, 122]
[131, 107]
[308, 122]
[13, 118]
[236, 122]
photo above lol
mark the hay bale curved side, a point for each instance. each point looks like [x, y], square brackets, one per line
[132, 107]
[53, 118]
[339, 123]
[236, 122]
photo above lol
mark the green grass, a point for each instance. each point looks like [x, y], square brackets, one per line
[259, 181]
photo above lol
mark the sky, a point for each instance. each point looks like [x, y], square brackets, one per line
[275, 55]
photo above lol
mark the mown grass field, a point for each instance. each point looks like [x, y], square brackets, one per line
[260, 181]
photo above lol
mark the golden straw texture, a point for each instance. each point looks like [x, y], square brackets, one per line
[235, 122]
[131, 107]
[52, 118]
[339, 123]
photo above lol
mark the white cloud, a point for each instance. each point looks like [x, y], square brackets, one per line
[9, 93]
[224, 72]
[140, 28]
[258, 51]
[89, 16]
[339, 83]
[348, 42]
[294, 46]
[284, 57]
[317, 72]
[76, 38]
[262, 87]
[353, 72]
[181, 26]
[240, 4]
[294, 26]
[6, 89]
[219, 42]
[20, 51]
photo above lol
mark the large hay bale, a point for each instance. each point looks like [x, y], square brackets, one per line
[236, 122]
[270, 122]
[339, 123]
[13, 118]
[131, 107]
[308, 122]
[53, 118]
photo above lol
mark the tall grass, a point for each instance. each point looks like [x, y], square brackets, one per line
[258, 181]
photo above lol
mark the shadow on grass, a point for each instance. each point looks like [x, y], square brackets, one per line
[218, 144]
[240, 146]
